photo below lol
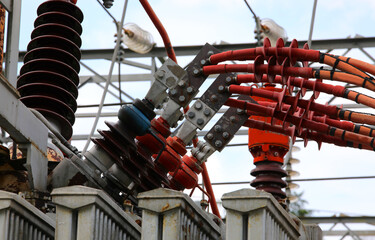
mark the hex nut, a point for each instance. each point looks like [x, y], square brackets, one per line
[189, 90]
[213, 98]
[226, 135]
[221, 89]
[210, 136]
[181, 98]
[196, 71]
[173, 92]
[207, 112]
[191, 114]
[228, 80]
[160, 74]
[218, 128]
[200, 121]
[198, 105]
[218, 143]
[181, 84]
[240, 111]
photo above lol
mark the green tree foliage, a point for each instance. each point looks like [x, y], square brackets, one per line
[298, 207]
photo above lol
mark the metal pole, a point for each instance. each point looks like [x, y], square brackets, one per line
[114, 56]
[257, 23]
[312, 23]
[13, 37]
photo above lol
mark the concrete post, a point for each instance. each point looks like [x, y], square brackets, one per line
[253, 214]
[172, 215]
[21, 220]
[88, 213]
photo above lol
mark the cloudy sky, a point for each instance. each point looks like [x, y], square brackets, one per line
[196, 22]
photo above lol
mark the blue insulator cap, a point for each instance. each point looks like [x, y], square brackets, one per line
[134, 120]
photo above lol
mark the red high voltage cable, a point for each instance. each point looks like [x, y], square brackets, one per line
[316, 86]
[303, 122]
[172, 55]
[159, 26]
[295, 54]
[306, 72]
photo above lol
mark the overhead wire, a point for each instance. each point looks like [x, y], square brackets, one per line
[113, 60]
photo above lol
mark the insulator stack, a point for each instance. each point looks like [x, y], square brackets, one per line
[268, 149]
[49, 77]
[134, 160]
[268, 177]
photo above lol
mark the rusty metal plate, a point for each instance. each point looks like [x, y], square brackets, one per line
[188, 87]
[215, 96]
[225, 128]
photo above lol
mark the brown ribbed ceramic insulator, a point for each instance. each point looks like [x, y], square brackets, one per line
[49, 77]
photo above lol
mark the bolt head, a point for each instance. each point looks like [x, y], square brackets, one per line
[181, 84]
[207, 112]
[181, 98]
[191, 114]
[213, 98]
[210, 53]
[189, 90]
[173, 92]
[196, 71]
[210, 136]
[198, 105]
[218, 128]
[226, 135]
[232, 119]
[240, 111]
[228, 80]
[200, 121]
[160, 74]
[221, 88]
[218, 143]
[203, 62]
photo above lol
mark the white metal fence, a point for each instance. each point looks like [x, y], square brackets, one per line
[172, 215]
[21, 220]
[88, 213]
[253, 214]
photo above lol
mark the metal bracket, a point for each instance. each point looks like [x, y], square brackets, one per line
[225, 128]
[166, 77]
[25, 129]
[187, 88]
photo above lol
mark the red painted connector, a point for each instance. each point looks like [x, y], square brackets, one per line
[266, 51]
[281, 97]
[260, 69]
[183, 177]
